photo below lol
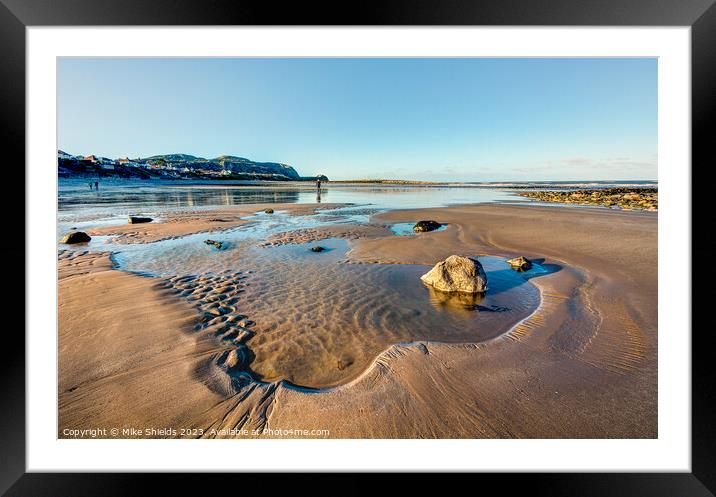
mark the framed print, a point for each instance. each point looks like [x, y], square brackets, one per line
[454, 238]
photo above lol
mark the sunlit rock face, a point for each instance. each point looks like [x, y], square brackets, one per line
[457, 274]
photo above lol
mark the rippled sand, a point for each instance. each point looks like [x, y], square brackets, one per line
[318, 321]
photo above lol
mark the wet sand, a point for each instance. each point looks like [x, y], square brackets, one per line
[583, 365]
[177, 224]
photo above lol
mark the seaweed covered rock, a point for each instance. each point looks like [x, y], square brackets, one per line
[428, 225]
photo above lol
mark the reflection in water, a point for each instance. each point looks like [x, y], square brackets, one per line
[457, 302]
[120, 196]
[153, 197]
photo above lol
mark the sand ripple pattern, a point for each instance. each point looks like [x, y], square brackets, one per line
[321, 323]
[309, 320]
[217, 297]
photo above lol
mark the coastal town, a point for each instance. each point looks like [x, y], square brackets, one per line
[176, 166]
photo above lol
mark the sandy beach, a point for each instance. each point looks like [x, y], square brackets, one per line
[217, 353]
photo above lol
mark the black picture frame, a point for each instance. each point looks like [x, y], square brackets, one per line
[17, 15]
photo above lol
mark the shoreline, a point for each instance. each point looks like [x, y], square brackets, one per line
[401, 369]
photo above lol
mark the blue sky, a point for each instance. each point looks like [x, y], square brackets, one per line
[423, 119]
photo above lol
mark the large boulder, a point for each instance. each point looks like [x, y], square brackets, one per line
[76, 237]
[429, 225]
[457, 274]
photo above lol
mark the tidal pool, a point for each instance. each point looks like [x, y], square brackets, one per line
[320, 320]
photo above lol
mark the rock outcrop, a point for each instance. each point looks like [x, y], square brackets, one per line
[457, 274]
[646, 199]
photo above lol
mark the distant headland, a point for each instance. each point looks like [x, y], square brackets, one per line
[177, 166]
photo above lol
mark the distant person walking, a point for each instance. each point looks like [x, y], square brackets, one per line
[318, 183]
[90, 185]
[96, 185]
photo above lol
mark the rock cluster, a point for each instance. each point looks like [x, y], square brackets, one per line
[269, 211]
[623, 198]
[457, 274]
[214, 243]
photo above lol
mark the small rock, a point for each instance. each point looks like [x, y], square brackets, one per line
[214, 243]
[519, 263]
[423, 226]
[317, 248]
[269, 211]
[139, 219]
[76, 237]
[457, 274]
